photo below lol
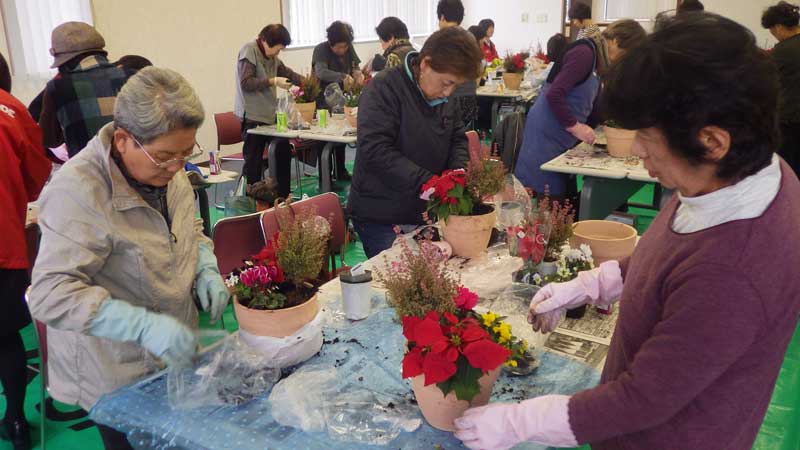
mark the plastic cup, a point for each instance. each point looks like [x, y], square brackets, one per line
[282, 122]
[322, 118]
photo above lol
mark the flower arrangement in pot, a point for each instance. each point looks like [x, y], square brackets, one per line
[514, 67]
[571, 262]
[273, 292]
[456, 198]
[528, 241]
[619, 140]
[264, 192]
[305, 97]
[560, 215]
[351, 97]
[453, 354]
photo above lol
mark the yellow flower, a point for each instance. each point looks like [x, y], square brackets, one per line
[504, 330]
[489, 318]
[512, 363]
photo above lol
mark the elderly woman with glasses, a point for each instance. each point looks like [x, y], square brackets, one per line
[122, 254]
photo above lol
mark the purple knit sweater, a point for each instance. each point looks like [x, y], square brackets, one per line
[705, 319]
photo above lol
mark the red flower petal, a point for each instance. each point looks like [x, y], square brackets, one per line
[486, 355]
[473, 333]
[429, 333]
[433, 315]
[437, 368]
[451, 318]
[409, 324]
[466, 299]
[451, 354]
[412, 363]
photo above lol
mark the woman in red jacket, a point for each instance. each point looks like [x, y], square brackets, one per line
[487, 47]
[24, 168]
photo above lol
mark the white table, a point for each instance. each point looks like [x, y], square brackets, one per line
[223, 176]
[330, 136]
[607, 181]
[493, 91]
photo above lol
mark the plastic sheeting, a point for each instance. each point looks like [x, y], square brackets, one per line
[781, 427]
[367, 359]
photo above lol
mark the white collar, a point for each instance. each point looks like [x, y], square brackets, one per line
[746, 199]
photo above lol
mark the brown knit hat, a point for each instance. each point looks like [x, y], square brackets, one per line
[70, 39]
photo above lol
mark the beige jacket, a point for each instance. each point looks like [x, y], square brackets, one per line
[101, 240]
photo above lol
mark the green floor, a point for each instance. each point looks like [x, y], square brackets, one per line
[69, 429]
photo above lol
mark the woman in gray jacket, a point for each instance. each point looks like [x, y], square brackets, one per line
[122, 254]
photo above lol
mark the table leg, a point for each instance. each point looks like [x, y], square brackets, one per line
[202, 199]
[272, 157]
[601, 196]
[325, 184]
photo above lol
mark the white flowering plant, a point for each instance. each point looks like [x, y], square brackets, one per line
[571, 262]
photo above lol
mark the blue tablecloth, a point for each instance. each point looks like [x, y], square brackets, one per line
[367, 355]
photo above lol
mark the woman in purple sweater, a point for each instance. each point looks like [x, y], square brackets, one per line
[710, 297]
[558, 119]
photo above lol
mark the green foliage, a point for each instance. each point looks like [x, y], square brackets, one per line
[464, 383]
[419, 282]
[485, 177]
[352, 95]
[310, 88]
[302, 244]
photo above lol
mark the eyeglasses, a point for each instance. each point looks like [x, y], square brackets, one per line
[197, 150]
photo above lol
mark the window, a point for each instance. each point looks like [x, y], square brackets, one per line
[28, 27]
[308, 19]
[636, 9]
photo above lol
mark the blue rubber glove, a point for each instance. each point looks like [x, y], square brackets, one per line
[210, 288]
[163, 335]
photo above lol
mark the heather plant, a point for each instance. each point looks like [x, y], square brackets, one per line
[419, 282]
[560, 215]
[302, 244]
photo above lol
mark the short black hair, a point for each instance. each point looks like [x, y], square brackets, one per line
[700, 70]
[556, 46]
[690, 6]
[451, 10]
[580, 11]
[5, 74]
[134, 63]
[783, 13]
[478, 31]
[340, 32]
[392, 28]
[486, 24]
[275, 34]
[454, 51]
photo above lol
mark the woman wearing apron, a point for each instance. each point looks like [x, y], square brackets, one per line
[557, 120]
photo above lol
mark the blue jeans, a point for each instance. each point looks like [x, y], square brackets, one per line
[377, 237]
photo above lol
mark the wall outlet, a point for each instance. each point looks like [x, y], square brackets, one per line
[525, 18]
[541, 18]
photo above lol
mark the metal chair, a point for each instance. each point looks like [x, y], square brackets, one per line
[229, 132]
[237, 239]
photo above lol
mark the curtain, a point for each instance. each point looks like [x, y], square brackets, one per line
[308, 19]
[30, 25]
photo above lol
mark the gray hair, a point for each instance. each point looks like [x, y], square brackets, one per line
[155, 102]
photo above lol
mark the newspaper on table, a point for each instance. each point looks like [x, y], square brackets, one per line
[586, 339]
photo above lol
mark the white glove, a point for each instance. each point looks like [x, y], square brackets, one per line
[500, 426]
[281, 82]
[600, 286]
[582, 132]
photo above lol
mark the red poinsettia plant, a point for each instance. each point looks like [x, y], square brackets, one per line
[540, 55]
[461, 192]
[515, 63]
[452, 349]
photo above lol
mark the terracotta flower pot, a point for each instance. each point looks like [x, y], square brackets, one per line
[441, 411]
[619, 141]
[608, 240]
[276, 323]
[469, 235]
[512, 80]
[352, 119]
[306, 110]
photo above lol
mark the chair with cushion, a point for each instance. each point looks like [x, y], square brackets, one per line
[237, 239]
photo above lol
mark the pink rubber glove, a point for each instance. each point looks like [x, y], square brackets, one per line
[500, 426]
[582, 132]
[600, 286]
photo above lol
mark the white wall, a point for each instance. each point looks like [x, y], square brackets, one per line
[746, 12]
[511, 33]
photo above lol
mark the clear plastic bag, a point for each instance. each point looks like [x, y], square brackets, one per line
[290, 350]
[230, 376]
[297, 399]
[334, 98]
[369, 417]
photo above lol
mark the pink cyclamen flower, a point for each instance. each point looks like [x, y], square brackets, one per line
[255, 275]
